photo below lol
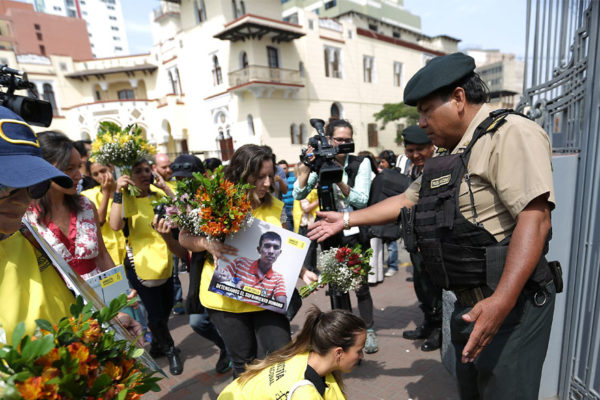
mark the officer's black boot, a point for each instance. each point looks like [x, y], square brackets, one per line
[434, 341]
[175, 363]
[421, 332]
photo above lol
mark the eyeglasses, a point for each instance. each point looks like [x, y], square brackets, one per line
[35, 192]
[182, 167]
[342, 140]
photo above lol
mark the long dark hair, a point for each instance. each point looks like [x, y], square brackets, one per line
[245, 167]
[56, 149]
[321, 332]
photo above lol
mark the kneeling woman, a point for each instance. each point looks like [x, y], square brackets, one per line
[149, 264]
[309, 367]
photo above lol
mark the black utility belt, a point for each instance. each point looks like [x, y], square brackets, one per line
[469, 297]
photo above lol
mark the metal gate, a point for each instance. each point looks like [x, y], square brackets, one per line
[562, 93]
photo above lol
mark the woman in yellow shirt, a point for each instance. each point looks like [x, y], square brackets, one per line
[149, 263]
[309, 367]
[245, 328]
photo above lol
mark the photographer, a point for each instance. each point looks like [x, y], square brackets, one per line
[351, 193]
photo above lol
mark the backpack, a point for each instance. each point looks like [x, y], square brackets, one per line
[389, 182]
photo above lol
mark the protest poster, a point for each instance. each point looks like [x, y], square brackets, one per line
[266, 269]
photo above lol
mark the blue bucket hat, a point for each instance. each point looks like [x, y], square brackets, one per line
[21, 162]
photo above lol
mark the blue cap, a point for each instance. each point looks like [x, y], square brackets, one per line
[21, 162]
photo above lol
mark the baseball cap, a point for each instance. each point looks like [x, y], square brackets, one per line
[21, 162]
[185, 165]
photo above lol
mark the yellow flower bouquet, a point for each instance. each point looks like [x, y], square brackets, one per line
[121, 148]
[78, 358]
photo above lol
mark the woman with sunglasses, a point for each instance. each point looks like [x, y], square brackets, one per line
[245, 328]
[149, 262]
[30, 287]
[67, 220]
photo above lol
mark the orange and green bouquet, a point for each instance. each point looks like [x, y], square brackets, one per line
[344, 268]
[121, 147]
[78, 358]
[209, 205]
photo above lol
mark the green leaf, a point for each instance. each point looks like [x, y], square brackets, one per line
[138, 352]
[102, 381]
[18, 333]
[45, 325]
[123, 394]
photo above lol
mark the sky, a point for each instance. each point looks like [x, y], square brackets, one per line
[483, 24]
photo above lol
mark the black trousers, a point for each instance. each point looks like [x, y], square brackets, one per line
[251, 335]
[510, 367]
[159, 303]
[429, 295]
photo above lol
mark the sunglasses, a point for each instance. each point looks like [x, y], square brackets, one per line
[35, 191]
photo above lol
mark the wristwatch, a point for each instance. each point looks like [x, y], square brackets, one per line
[346, 220]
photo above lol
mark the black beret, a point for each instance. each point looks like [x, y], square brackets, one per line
[439, 72]
[415, 135]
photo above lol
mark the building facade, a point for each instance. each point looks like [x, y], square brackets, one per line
[225, 73]
[103, 19]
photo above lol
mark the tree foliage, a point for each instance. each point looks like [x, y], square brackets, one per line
[395, 111]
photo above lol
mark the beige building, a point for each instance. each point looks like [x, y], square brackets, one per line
[222, 74]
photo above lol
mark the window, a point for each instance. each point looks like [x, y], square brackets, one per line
[126, 94]
[396, 35]
[112, 17]
[71, 13]
[368, 62]
[98, 96]
[235, 10]
[117, 48]
[116, 38]
[63, 66]
[57, 8]
[175, 81]
[37, 27]
[295, 138]
[303, 134]
[349, 34]
[114, 28]
[250, 125]
[372, 132]
[311, 24]
[301, 68]
[243, 60]
[39, 35]
[49, 97]
[292, 18]
[397, 74]
[216, 71]
[110, 7]
[84, 13]
[242, 7]
[200, 11]
[42, 49]
[82, 2]
[335, 111]
[333, 62]
[373, 27]
[330, 4]
[272, 57]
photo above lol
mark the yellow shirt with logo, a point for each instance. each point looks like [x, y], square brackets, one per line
[28, 290]
[113, 240]
[151, 256]
[275, 382]
[215, 301]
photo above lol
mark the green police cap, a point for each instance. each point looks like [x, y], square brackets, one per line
[415, 135]
[439, 72]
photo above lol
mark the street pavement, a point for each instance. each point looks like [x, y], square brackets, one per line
[398, 371]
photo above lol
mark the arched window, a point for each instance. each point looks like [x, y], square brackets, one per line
[217, 76]
[294, 133]
[303, 134]
[242, 7]
[250, 125]
[235, 11]
[243, 60]
[49, 97]
[335, 111]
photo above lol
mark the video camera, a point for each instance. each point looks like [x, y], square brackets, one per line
[32, 110]
[324, 163]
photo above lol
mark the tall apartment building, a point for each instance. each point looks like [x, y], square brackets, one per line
[104, 21]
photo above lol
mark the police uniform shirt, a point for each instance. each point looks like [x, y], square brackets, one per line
[508, 168]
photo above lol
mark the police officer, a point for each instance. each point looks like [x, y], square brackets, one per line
[418, 148]
[482, 223]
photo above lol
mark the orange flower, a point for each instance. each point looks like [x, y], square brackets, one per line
[93, 333]
[112, 370]
[31, 389]
[78, 351]
[49, 358]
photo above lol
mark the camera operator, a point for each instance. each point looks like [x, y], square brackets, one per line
[351, 193]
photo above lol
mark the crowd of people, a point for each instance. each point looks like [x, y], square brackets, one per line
[87, 215]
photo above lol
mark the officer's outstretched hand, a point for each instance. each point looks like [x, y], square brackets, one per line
[488, 315]
[329, 224]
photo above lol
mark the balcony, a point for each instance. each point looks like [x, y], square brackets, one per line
[262, 81]
[251, 26]
[166, 8]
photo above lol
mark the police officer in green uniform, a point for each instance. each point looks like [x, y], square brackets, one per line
[482, 223]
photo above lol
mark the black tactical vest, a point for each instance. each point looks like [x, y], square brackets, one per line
[457, 253]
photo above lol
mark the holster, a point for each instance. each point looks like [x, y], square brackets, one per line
[407, 223]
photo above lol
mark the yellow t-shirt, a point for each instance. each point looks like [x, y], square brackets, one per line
[27, 290]
[113, 240]
[215, 301]
[151, 256]
[276, 380]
